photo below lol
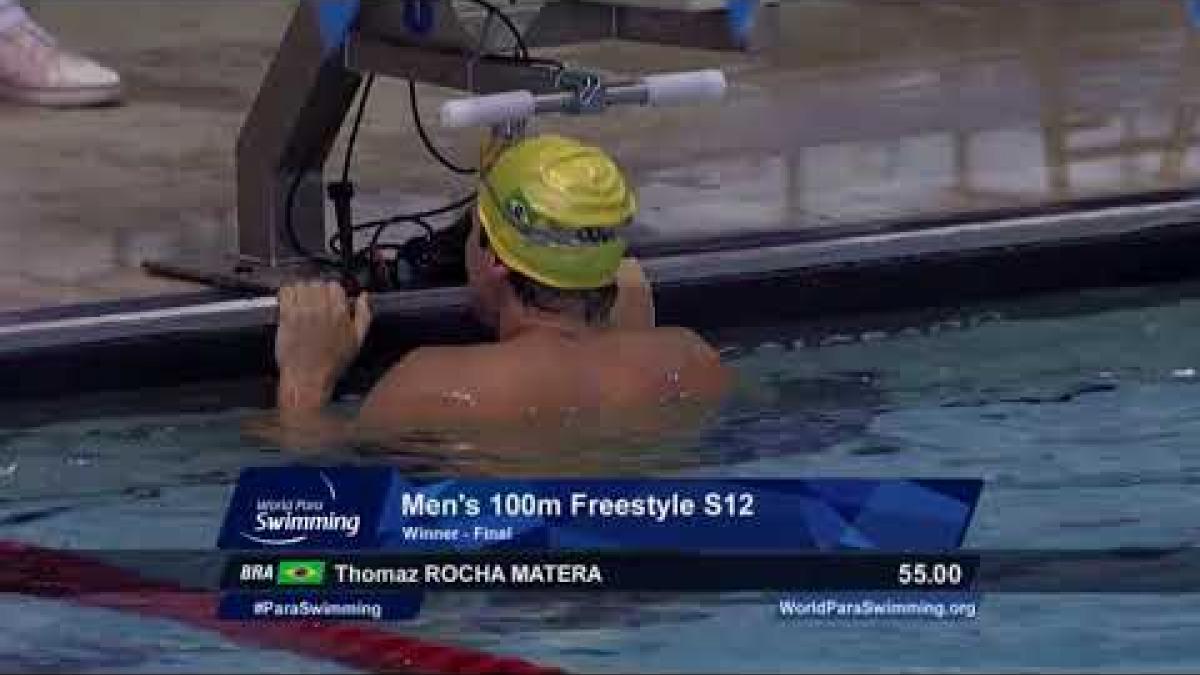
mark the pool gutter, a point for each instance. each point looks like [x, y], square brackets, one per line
[947, 264]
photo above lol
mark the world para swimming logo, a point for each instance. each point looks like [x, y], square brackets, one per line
[285, 519]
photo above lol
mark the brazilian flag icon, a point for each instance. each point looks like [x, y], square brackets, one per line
[301, 573]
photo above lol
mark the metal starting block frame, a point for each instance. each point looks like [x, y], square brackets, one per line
[331, 45]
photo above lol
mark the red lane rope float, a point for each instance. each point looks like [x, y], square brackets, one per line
[47, 573]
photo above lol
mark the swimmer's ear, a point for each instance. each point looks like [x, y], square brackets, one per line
[495, 268]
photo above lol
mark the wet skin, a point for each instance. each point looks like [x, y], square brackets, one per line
[542, 366]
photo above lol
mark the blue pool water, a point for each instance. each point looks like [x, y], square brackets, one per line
[1080, 410]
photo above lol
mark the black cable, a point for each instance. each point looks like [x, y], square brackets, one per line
[521, 55]
[342, 194]
[294, 188]
[429, 146]
[380, 226]
[521, 49]
[528, 60]
[392, 220]
[358, 118]
[424, 224]
[417, 217]
[290, 228]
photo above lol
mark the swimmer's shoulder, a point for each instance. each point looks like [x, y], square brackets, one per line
[693, 354]
[684, 341]
[432, 367]
[701, 354]
[415, 387]
[478, 363]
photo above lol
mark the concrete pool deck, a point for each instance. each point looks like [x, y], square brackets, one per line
[867, 111]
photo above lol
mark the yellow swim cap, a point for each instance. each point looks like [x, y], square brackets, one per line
[553, 209]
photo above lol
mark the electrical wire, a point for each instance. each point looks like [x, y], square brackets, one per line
[429, 146]
[521, 49]
[520, 55]
[380, 227]
[526, 60]
[294, 188]
[289, 226]
[358, 118]
[424, 224]
[416, 217]
[403, 217]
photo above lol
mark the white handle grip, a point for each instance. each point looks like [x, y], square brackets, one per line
[656, 90]
[488, 110]
[679, 88]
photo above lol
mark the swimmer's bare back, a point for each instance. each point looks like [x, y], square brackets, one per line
[624, 371]
[544, 374]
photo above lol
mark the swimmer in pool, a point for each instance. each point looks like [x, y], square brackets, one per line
[573, 317]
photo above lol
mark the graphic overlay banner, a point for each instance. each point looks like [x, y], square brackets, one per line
[26, 569]
[298, 528]
[366, 509]
[607, 572]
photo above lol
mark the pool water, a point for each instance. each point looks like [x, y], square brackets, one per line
[1080, 410]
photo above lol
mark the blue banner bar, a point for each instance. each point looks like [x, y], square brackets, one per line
[364, 509]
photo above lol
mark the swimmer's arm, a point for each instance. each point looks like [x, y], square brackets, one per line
[634, 306]
[320, 333]
[406, 397]
[301, 419]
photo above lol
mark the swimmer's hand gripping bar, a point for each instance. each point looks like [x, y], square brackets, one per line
[654, 90]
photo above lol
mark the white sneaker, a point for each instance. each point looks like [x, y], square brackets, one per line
[35, 70]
